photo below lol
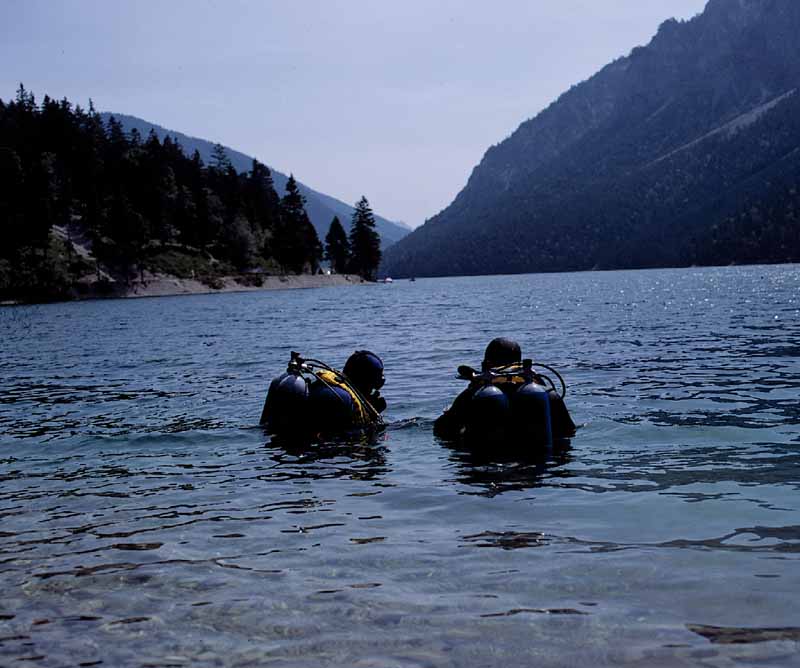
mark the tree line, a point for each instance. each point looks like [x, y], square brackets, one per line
[84, 202]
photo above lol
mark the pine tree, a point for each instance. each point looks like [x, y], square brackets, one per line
[220, 159]
[225, 181]
[262, 206]
[261, 202]
[118, 142]
[365, 243]
[295, 243]
[337, 247]
[25, 100]
[12, 227]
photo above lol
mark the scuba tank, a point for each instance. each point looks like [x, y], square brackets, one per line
[331, 407]
[532, 415]
[515, 402]
[286, 404]
[489, 415]
[313, 398]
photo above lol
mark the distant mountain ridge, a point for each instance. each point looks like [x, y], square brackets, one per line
[687, 151]
[321, 208]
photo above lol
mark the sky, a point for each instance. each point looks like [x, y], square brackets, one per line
[397, 101]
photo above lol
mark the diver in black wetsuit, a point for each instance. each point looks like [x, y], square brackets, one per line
[500, 352]
[312, 398]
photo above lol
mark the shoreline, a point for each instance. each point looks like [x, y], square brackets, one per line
[160, 285]
[171, 286]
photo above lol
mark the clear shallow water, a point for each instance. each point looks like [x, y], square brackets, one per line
[146, 520]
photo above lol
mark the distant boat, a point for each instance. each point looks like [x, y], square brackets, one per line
[388, 279]
[412, 279]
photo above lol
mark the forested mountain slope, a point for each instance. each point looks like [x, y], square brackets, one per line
[687, 151]
[87, 209]
[321, 208]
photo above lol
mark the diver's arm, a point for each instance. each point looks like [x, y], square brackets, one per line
[377, 401]
[560, 419]
[450, 423]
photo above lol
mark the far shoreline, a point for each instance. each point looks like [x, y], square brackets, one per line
[172, 286]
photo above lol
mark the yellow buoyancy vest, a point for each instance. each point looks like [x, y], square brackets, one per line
[363, 413]
[514, 376]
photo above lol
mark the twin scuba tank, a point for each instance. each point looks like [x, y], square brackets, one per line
[312, 398]
[514, 402]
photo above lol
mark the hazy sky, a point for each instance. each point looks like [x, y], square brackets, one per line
[394, 100]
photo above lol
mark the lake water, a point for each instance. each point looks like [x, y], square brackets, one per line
[146, 520]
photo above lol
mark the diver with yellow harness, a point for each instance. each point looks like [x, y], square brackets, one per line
[312, 398]
[508, 401]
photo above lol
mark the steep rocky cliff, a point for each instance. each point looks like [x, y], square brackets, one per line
[686, 151]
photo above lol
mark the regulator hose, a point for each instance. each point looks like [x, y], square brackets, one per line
[563, 392]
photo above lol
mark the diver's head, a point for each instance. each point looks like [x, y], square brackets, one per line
[365, 370]
[501, 352]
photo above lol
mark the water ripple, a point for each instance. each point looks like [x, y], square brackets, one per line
[145, 519]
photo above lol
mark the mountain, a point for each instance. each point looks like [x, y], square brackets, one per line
[321, 208]
[687, 151]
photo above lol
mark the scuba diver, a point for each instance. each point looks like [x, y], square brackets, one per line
[312, 398]
[507, 399]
